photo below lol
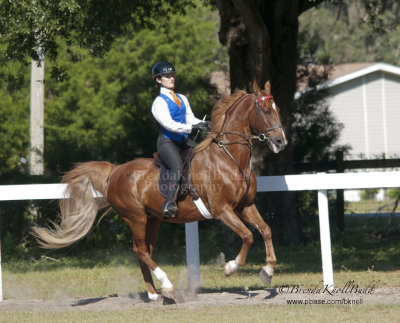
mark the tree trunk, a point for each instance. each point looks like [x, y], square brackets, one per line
[261, 40]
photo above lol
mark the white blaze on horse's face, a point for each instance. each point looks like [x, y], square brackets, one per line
[281, 129]
[267, 120]
[276, 141]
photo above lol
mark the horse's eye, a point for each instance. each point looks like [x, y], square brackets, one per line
[266, 112]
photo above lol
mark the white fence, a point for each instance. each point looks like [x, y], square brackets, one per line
[320, 182]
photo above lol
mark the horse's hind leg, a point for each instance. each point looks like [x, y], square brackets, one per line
[251, 215]
[139, 228]
[152, 228]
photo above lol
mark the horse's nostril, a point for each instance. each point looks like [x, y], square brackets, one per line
[280, 143]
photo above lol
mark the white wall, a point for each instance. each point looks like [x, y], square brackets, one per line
[369, 108]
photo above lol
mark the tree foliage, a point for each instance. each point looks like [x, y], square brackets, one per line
[99, 108]
[102, 111]
[315, 128]
[14, 120]
[30, 27]
[342, 33]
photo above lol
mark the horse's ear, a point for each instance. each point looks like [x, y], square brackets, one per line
[256, 89]
[268, 88]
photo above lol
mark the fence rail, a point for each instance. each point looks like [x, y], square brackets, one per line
[339, 165]
[320, 182]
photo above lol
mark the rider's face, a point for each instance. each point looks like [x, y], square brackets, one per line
[167, 81]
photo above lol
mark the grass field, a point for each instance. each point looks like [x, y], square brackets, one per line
[68, 278]
[80, 277]
[359, 255]
[78, 282]
[381, 313]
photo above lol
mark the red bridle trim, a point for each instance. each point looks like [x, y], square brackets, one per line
[267, 97]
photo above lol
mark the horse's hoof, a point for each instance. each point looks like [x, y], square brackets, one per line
[168, 295]
[230, 268]
[266, 275]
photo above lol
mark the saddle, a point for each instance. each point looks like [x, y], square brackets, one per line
[186, 155]
[185, 185]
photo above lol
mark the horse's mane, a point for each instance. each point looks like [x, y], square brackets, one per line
[218, 117]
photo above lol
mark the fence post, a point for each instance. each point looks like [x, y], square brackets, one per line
[325, 236]
[193, 255]
[339, 193]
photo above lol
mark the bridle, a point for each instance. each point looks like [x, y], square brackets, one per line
[247, 138]
[261, 135]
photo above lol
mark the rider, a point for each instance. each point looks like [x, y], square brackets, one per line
[173, 113]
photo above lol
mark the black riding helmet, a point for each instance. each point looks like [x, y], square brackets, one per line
[162, 68]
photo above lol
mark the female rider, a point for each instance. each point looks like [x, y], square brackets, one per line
[173, 113]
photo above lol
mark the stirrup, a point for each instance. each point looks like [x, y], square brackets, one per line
[170, 209]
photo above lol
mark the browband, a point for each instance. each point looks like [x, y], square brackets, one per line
[267, 97]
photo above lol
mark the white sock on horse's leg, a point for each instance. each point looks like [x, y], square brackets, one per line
[152, 297]
[231, 267]
[162, 278]
[269, 270]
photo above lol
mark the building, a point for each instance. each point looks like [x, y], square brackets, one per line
[366, 99]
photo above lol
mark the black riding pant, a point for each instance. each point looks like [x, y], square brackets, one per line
[169, 151]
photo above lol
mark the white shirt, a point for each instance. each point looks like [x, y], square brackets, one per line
[161, 114]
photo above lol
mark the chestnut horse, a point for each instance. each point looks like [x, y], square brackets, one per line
[220, 173]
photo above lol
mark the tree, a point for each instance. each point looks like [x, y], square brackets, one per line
[14, 121]
[28, 25]
[260, 36]
[330, 25]
[102, 110]
[261, 39]
[99, 108]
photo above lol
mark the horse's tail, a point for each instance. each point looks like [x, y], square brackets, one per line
[79, 209]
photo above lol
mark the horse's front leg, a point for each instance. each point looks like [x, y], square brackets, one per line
[231, 220]
[251, 215]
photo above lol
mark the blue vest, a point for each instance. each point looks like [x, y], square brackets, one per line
[178, 115]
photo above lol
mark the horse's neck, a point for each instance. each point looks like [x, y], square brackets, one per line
[237, 119]
[234, 131]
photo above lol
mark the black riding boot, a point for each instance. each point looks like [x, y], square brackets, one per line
[170, 208]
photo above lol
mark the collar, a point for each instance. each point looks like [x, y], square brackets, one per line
[164, 90]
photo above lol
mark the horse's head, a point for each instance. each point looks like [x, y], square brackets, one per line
[266, 121]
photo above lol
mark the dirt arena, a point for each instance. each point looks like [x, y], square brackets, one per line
[184, 299]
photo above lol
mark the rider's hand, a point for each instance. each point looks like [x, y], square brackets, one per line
[201, 126]
[209, 124]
